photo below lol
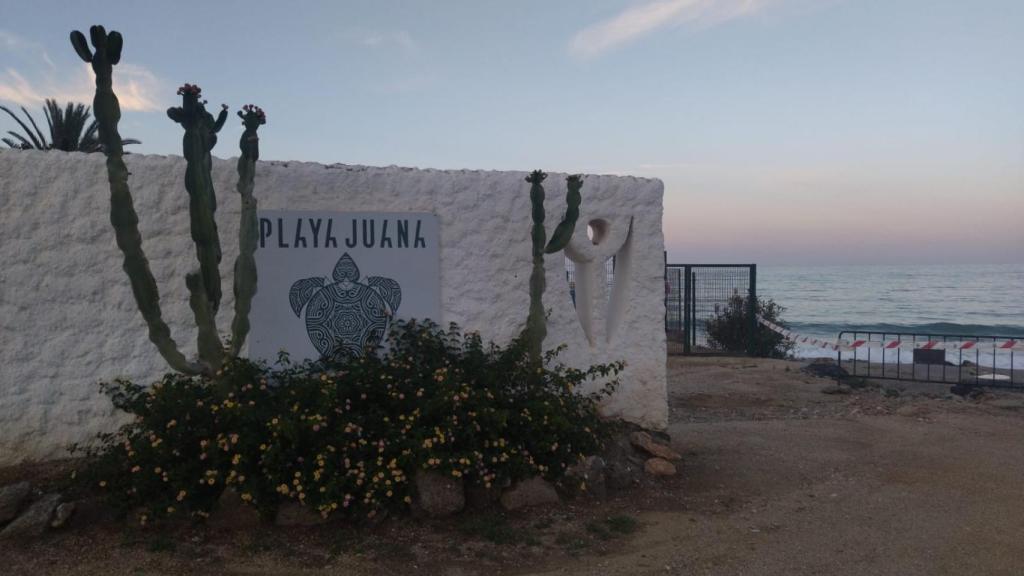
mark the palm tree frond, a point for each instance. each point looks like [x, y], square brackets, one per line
[35, 143]
[72, 128]
[12, 144]
[38, 131]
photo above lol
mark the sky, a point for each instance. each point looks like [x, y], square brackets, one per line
[785, 131]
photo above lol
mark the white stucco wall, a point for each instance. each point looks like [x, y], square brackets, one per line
[68, 320]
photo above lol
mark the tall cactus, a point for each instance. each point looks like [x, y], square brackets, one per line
[122, 209]
[536, 323]
[200, 137]
[248, 230]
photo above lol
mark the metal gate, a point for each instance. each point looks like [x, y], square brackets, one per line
[696, 294]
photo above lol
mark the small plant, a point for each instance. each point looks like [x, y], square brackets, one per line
[347, 437]
[730, 329]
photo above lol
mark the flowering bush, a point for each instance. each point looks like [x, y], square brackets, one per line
[348, 437]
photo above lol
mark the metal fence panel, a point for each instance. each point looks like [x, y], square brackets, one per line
[972, 367]
[697, 293]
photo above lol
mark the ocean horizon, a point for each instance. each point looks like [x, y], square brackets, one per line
[968, 300]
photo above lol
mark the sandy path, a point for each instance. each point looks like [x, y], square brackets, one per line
[781, 479]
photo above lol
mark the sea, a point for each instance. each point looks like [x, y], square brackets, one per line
[973, 299]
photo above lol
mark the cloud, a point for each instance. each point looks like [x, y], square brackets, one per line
[642, 19]
[135, 87]
[381, 39]
[11, 41]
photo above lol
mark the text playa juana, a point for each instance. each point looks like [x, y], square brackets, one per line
[302, 232]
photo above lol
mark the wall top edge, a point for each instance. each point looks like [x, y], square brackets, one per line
[335, 166]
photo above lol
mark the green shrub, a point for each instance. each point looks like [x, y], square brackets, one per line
[729, 329]
[348, 437]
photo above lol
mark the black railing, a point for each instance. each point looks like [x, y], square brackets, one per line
[980, 365]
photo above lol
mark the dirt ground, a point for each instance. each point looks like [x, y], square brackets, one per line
[777, 478]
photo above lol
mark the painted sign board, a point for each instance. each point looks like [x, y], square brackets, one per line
[331, 283]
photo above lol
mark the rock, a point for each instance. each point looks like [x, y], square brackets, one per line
[622, 475]
[532, 492]
[964, 390]
[292, 514]
[835, 389]
[623, 469]
[659, 467]
[590, 473]
[232, 513]
[11, 499]
[643, 441]
[438, 495]
[825, 368]
[33, 521]
[62, 514]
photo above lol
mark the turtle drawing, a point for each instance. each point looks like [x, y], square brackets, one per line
[345, 317]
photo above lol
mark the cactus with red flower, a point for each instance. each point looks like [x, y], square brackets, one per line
[248, 230]
[200, 137]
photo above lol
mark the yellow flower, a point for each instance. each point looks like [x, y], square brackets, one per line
[170, 509]
[103, 483]
[181, 495]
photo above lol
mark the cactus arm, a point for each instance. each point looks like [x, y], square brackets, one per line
[245, 278]
[197, 142]
[221, 118]
[563, 233]
[81, 47]
[204, 228]
[114, 44]
[536, 329]
[210, 351]
[122, 210]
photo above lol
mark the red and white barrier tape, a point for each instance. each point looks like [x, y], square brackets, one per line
[850, 345]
